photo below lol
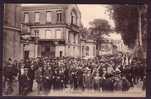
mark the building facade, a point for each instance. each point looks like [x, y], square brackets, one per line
[121, 47]
[106, 47]
[88, 49]
[57, 28]
[11, 32]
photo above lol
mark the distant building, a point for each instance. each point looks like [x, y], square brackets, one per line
[11, 32]
[88, 49]
[106, 47]
[57, 27]
[111, 45]
[121, 47]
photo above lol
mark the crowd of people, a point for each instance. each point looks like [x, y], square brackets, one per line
[105, 73]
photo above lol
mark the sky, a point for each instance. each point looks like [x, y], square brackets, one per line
[94, 11]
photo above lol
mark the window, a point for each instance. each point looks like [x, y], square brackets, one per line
[74, 36]
[58, 34]
[50, 34]
[26, 18]
[42, 35]
[87, 50]
[37, 17]
[94, 51]
[70, 37]
[59, 17]
[73, 18]
[61, 53]
[49, 17]
[69, 51]
[35, 33]
[74, 53]
[77, 39]
[82, 51]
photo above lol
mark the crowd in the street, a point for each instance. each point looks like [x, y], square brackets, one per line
[105, 73]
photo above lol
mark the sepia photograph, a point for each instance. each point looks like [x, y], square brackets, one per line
[86, 50]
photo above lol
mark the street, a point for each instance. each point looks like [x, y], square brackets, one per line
[133, 92]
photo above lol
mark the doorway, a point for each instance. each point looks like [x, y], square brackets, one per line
[26, 54]
[47, 49]
[60, 54]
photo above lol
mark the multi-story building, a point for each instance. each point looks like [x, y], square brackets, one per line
[57, 27]
[11, 32]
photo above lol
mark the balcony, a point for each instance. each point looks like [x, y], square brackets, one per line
[74, 27]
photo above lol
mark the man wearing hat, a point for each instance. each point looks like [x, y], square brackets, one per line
[107, 83]
[24, 82]
[31, 75]
[9, 76]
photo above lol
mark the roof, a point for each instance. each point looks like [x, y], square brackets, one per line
[48, 7]
[44, 7]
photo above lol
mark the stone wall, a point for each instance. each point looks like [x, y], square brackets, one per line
[11, 32]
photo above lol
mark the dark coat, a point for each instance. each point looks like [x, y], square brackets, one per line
[39, 76]
[8, 72]
[125, 85]
[24, 80]
[31, 74]
[107, 85]
[118, 85]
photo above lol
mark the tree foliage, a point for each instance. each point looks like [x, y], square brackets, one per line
[98, 28]
[126, 21]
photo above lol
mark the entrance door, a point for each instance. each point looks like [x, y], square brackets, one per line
[47, 49]
[60, 53]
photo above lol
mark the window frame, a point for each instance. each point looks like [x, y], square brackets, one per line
[38, 17]
[59, 16]
[26, 13]
[48, 15]
[73, 18]
[61, 36]
[87, 50]
[47, 37]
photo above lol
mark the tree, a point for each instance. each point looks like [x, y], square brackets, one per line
[98, 28]
[126, 18]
